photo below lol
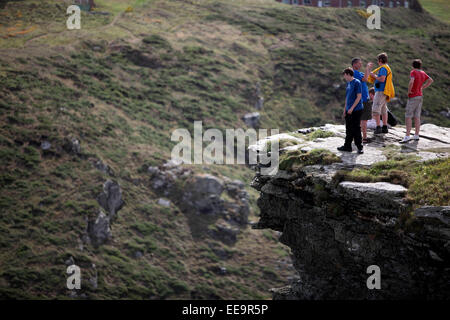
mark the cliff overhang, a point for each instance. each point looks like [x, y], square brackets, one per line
[336, 229]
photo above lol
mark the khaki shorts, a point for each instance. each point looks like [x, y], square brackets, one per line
[414, 107]
[379, 103]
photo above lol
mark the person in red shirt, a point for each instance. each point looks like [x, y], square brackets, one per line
[419, 81]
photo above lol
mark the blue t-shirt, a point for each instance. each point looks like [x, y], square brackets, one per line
[353, 88]
[381, 72]
[365, 91]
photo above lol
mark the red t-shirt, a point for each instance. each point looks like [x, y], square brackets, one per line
[419, 78]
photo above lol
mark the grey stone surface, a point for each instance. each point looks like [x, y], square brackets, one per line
[434, 143]
[337, 229]
[225, 233]
[164, 202]
[99, 230]
[207, 184]
[70, 261]
[72, 145]
[259, 103]
[381, 189]
[203, 198]
[445, 113]
[172, 163]
[103, 167]
[111, 198]
[252, 119]
[45, 145]
[153, 170]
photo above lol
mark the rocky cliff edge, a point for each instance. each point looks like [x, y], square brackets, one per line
[337, 224]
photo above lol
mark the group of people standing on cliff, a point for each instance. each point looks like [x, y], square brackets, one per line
[363, 104]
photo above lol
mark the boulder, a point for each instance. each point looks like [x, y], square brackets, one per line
[72, 145]
[259, 103]
[225, 233]
[99, 230]
[45, 145]
[111, 198]
[164, 202]
[252, 119]
[103, 167]
[207, 184]
[202, 194]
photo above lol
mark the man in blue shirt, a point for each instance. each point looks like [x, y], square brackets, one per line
[367, 110]
[352, 112]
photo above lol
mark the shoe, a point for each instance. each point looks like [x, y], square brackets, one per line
[405, 139]
[378, 130]
[360, 151]
[344, 148]
[416, 137]
[384, 130]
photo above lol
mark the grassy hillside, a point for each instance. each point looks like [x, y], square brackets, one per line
[123, 83]
[438, 8]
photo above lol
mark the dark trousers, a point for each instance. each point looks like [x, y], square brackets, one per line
[353, 129]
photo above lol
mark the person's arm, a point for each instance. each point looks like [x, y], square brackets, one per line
[366, 73]
[410, 85]
[427, 83]
[382, 75]
[380, 78]
[358, 97]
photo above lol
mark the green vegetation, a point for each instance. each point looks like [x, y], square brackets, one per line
[438, 8]
[124, 82]
[319, 134]
[427, 182]
[293, 160]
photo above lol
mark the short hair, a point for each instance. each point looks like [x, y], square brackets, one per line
[348, 71]
[372, 90]
[354, 60]
[382, 57]
[417, 63]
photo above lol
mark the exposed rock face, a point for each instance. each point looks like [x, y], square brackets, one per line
[204, 193]
[225, 233]
[164, 202]
[103, 167]
[99, 230]
[111, 198]
[201, 198]
[252, 119]
[337, 230]
[72, 145]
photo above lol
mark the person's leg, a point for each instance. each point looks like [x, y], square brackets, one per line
[376, 110]
[385, 116]
[377, 119]
[408, 125]
[417, 125]
[348, 131]
[357, 129]
[384, 113]
[417, 113]
[348, 135]
[365, 115]
[409, 114]
[363, 125]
